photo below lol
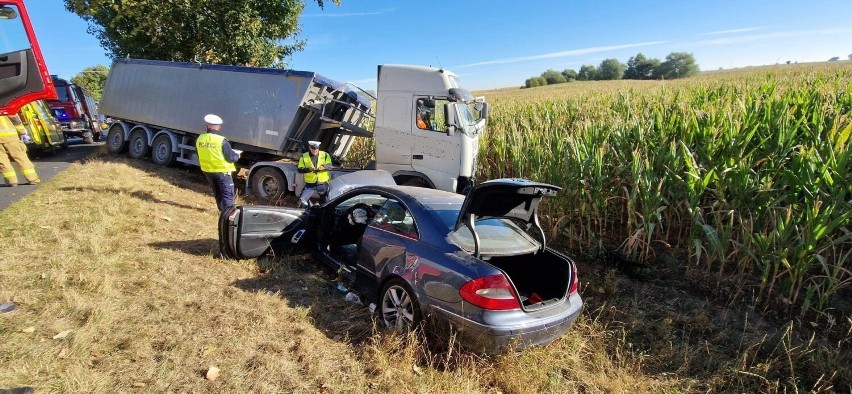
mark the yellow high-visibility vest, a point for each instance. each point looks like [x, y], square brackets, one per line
[8, 128]
[314, 177]
[210, 156]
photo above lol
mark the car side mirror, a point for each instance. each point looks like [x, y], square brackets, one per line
[452, 119]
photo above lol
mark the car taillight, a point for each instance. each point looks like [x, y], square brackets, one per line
[490, 292]
[575, 282]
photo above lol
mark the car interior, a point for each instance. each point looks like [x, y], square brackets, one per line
[346, 225]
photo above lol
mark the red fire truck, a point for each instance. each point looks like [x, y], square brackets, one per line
[75, 110]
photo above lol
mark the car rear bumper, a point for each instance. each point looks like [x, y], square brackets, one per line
[497, 339]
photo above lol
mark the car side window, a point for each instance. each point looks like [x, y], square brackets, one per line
[394, 218]
[430, 115]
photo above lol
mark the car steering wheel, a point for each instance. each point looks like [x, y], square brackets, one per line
[350, 213]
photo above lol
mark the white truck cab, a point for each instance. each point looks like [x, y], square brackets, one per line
[427, 127]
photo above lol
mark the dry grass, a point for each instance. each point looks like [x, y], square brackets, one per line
[120, 253]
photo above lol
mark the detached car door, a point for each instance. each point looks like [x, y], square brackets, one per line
[247, 232]
[23, 73]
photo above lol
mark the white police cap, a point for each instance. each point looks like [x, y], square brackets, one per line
[213, 119]
[314, 144]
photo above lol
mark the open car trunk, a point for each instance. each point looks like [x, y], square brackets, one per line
[541, 279]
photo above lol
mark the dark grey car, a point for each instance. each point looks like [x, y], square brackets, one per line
[476, 266]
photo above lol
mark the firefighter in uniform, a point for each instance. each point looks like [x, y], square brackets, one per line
[13, 148]
[315, 165]
[217, 159]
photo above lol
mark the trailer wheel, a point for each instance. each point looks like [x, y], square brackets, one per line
[269, 184]
[138, 144]
[115, 139]
[161, 151]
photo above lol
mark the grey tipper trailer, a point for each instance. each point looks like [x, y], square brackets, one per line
[268, 113]
[271, 114]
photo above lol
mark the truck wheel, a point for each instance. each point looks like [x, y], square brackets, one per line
[269, 184]
[161, 151]
[137, 144]
[115, 139]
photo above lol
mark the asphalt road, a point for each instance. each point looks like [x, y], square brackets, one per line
[47, 166]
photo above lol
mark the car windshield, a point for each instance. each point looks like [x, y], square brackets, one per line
[497, 237]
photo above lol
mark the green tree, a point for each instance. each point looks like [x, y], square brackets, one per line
[610, 69]
[534, 82]
[93, 79]
[677, 65]
[587, 72]
[553, 77]
[570, 74]
[641, 67]
[239, 32]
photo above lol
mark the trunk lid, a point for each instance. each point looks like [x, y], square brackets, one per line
[515, 199]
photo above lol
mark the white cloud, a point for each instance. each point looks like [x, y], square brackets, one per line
[732, 31]
[352, 14]
[774, 36]
[573, 52]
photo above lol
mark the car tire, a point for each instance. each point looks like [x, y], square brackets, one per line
[399, 309]
[138, 144]
[115, 139]
[268, 184]
[161, 151]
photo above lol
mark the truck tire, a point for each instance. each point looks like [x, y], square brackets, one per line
[269, 184]
[137, 145]
[115, 139]
[161, 151]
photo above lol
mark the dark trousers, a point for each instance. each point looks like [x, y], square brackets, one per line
[223, 189]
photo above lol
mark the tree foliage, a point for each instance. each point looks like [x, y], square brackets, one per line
[587, 72]
[641, 67]
[677, 65]
[93, 79]
[534, 82]
[553, 77]
[238, 32]
[610, 69]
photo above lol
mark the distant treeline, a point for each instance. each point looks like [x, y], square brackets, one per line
[676, 65]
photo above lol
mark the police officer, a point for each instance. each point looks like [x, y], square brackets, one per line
[12, 148]
[217, 159]
[315, 165]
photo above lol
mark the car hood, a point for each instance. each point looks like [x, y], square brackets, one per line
[505, 198]
[340, 184]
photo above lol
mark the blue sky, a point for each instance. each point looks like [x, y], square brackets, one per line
[502, 43]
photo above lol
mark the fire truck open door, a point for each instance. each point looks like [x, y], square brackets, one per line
[23, 73]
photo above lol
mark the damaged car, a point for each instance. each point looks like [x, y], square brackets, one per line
[476, 266]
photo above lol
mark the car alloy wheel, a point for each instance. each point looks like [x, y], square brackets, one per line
[400, 309]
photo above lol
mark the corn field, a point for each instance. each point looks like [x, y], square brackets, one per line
[745, 174]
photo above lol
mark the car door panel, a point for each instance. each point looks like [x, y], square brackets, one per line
[250, 231]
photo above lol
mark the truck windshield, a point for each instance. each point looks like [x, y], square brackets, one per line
[455, 82]
[466, 119]
[62, 92]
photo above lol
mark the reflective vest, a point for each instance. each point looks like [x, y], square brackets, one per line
[8, 129]
[322, 159]
[210, 156]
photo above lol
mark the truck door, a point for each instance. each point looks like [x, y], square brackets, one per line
[23, 73]
[434, 153]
